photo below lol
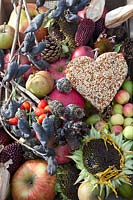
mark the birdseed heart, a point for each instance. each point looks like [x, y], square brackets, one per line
[98, 80]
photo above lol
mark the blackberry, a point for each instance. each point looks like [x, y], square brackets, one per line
[73, 112]
[64, 85]
[56, 107]
[75, 128]
[71, 133]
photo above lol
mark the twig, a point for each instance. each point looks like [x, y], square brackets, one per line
[16, 29]
[25, 91]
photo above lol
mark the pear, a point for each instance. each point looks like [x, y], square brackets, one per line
[40, 83]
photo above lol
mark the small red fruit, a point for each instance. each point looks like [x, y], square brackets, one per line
[39, 111]
[13, 121]
[47, 109]
[41, 118]
[42, 103]
[25, 106]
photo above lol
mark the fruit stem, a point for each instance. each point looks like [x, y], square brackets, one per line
[4, 27]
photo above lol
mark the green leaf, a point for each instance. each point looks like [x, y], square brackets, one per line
[117, 47]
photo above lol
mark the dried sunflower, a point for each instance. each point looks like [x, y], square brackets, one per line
[105, 161]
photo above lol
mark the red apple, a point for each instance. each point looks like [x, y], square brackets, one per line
[73, 97]
[122, 97]
[128, 110]
[6, 36]
[57, 69]
[32, 181]
[62, 151]
[82, 51]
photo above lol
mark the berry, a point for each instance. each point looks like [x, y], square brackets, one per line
[42, 104]
[64, 85]
[74, 112]
[39, 111]
[25, 106]
[41, 118]
[56, 107]
[13, 121]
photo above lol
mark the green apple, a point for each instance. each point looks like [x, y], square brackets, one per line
[117, 109]
[128, 132]
[93, 119]
[6, 36]
[117, 119]
[32, 181]
[128, 121]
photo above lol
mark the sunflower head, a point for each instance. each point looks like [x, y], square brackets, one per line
[105, 158]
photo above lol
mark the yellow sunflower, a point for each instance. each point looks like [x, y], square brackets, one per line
[105, 161]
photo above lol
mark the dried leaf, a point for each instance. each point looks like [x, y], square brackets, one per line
[95, 10]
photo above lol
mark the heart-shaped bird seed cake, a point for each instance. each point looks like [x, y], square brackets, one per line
[98, 80]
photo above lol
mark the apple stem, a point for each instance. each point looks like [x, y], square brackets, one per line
[4, 27]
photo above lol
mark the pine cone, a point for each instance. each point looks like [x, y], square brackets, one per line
[55, 32]
[52, 50]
